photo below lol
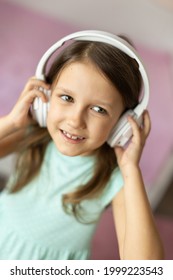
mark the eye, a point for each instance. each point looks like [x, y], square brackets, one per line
[67, 98]
[99, 110]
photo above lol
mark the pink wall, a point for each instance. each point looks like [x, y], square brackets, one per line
[25, 36]
[160, 142]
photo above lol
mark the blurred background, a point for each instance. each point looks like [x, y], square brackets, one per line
[28, 28]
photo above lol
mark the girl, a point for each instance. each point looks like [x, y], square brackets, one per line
[66, 174]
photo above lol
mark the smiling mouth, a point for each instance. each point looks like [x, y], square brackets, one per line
[72, 136]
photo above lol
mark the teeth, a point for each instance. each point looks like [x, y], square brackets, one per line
[72, 136]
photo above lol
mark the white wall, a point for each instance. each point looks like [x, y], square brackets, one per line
[149, 22]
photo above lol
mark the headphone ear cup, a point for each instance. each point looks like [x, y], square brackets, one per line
[122, 131]
[39, 109]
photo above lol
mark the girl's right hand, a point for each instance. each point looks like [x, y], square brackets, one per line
[20, 115]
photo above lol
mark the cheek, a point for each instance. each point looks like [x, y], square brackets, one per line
[108, 127]
[52, 117]
[49, 117]
[103, 130]
[54, 112]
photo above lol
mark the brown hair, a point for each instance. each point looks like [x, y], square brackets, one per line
[123, 72]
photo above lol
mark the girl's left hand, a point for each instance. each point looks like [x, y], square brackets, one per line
[132, 153]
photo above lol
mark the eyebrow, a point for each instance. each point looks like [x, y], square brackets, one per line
[65, 90]
[100, 102]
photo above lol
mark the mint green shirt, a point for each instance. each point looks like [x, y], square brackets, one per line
[33, 224]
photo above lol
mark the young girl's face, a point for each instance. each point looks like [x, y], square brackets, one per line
[84, 107]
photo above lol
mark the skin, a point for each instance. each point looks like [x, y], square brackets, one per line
[86, 105]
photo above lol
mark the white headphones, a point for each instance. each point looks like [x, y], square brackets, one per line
[122, 131]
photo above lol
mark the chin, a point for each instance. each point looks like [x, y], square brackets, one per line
[69, 154]
[66, 151]
[73, 153]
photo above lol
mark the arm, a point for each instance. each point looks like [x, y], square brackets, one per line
[13, 126]
[9, 137]
[137, 234]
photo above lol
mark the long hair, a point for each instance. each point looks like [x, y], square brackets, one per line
[123, 72]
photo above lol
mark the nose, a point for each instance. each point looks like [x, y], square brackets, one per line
[77, 118]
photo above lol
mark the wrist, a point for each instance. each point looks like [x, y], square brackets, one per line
[130, 170]
[9, 124]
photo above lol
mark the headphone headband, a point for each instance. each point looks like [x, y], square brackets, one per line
[122, 131]
[102, 37]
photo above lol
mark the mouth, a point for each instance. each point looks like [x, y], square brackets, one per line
[73, 138]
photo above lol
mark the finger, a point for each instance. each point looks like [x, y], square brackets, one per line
[118, 152]
[40, 92]
[136, 131]
[41, 83]
[146, 123]
[36, 91]
[33, 83]
[29, 98]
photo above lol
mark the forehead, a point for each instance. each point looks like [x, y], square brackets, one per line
[84, 73]
[86, 84]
